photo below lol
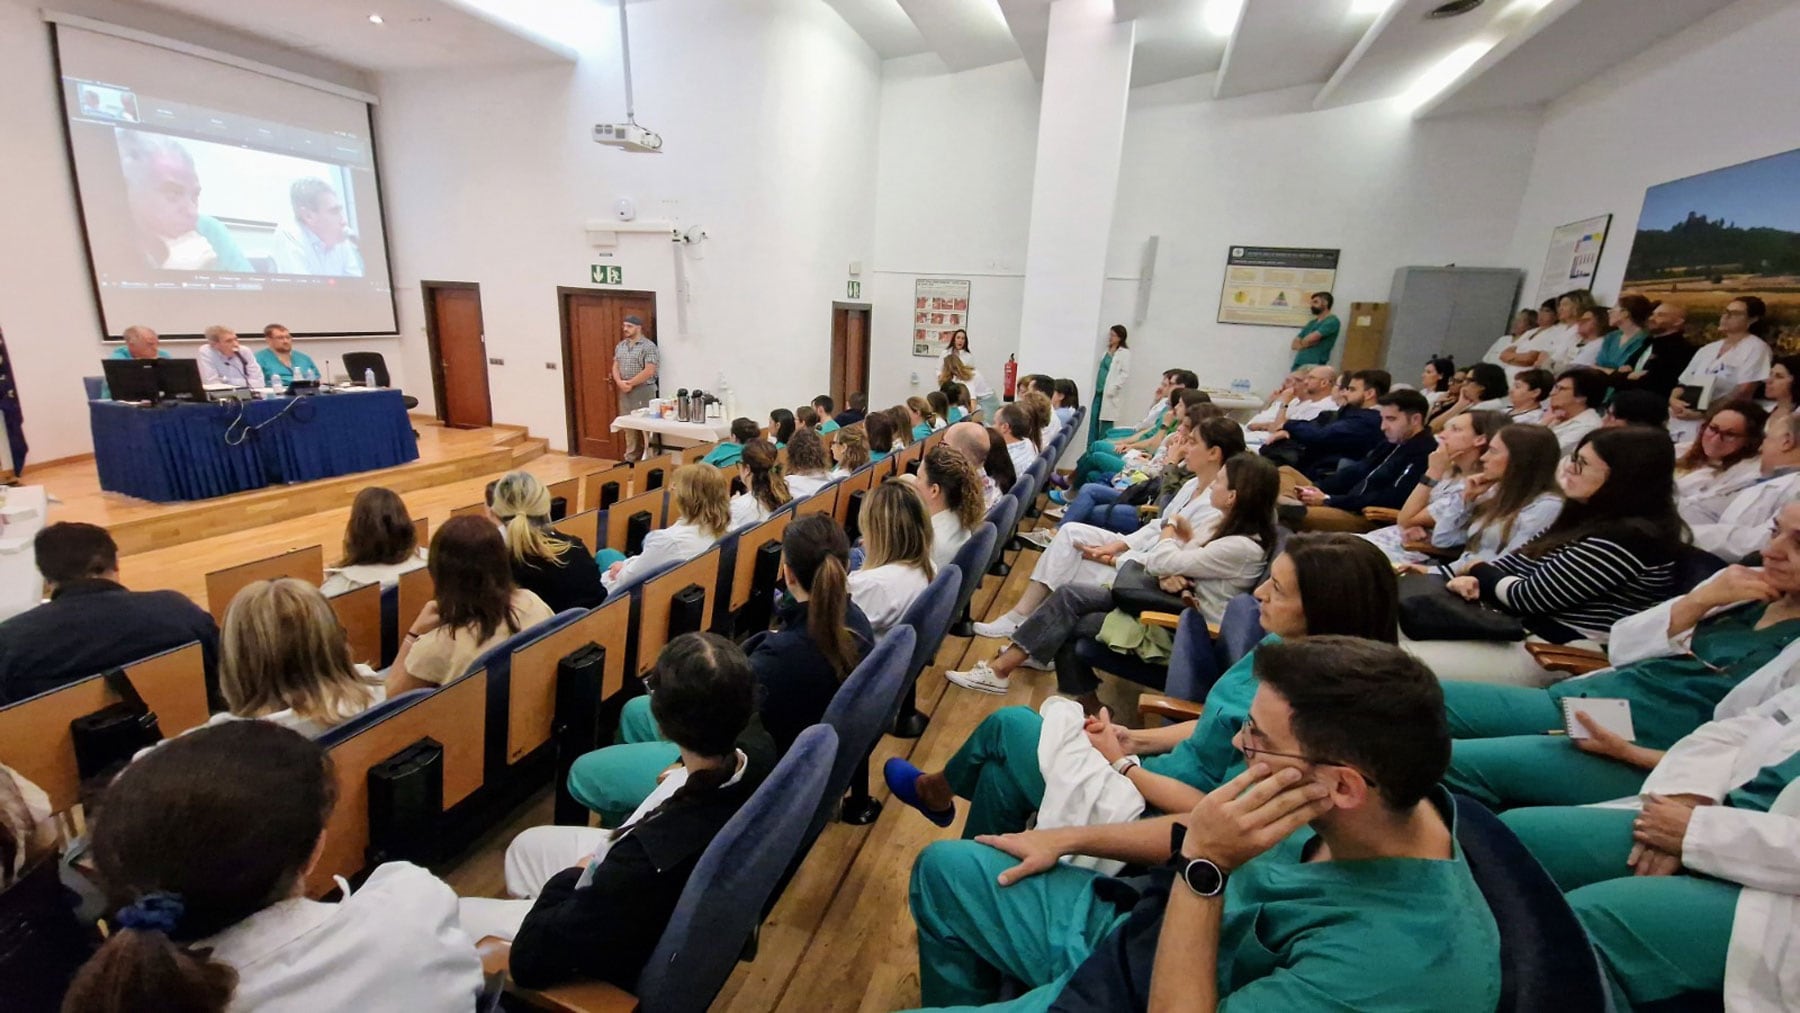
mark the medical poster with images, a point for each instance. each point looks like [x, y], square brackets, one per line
[1273, 285]
[940, 306]
[1574, 256]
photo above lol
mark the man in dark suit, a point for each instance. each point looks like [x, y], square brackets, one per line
[1315, 448]
[1385, 477]
[91, 623]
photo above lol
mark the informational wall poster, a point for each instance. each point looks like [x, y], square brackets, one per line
[1273, 285]
[940, 305]
[1574, 256]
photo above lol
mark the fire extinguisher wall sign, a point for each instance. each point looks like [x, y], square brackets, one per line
[1011, 375]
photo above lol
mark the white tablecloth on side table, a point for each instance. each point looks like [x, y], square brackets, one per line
[685, 433]
[21, 586]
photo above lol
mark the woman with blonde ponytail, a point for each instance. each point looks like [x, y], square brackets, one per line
[203, 847]
[819, 636]
[556, 567]
[765, 490]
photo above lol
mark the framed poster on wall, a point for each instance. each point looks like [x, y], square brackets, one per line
[940, 305]
[1273, 285]
[1574, 256]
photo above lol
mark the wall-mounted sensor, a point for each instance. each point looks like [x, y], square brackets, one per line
[625, 209]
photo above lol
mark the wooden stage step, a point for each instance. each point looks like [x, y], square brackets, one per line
[445, 456]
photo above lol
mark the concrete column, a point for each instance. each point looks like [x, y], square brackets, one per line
[1081, 130]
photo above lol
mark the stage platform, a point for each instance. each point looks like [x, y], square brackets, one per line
[174, 545]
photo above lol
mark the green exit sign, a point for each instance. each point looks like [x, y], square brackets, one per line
[608, 274]
[853, 290]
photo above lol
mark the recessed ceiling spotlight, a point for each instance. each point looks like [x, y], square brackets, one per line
[1453, 8]
[1221, 16]
[376, 19]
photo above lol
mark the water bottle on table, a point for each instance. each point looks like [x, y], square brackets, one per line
[369, 378]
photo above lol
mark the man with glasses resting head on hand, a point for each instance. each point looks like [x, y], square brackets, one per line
[1327, 875]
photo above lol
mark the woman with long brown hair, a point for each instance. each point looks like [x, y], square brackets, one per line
[807, 469]
[1723, 458]
[477, 606]
[380, 543]
[951, 488]
[765, 490]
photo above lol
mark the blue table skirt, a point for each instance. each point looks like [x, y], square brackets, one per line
[198, 451]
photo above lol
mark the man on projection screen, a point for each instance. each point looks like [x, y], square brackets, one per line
[318, 241]
[163, 189]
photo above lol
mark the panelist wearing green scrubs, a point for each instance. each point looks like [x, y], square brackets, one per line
[1327, 875]
[280, 362]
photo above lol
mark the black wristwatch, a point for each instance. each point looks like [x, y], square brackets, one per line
[1203, 877]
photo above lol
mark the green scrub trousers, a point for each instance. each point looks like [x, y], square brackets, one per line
[615, 780]
[996, 769]
[1055, 918]
[1657, 936]
[1502, 758]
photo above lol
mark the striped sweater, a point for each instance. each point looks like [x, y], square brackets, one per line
[1584, 586]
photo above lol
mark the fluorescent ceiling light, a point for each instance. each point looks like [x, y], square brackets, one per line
[375, 19]
[1445, 72]
[1369, 8]
[1221, 16]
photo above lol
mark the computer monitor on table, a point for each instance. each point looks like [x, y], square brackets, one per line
[154, 379]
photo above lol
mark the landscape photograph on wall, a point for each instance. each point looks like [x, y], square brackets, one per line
[1735, 231]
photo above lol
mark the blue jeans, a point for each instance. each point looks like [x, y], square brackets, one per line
[1094, 504]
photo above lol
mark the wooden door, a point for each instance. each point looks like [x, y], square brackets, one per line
[849, 350]
[592, 324]
[458, 348]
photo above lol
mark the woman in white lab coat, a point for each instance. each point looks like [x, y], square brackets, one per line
[203, 847]
[1695, 886]
[702, 504]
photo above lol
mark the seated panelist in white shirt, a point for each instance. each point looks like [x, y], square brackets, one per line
[223, 360]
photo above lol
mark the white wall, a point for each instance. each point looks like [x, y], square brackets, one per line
[1201, 175]
[952, 199]
[46, 294]
[767, 111]
[1706, 98]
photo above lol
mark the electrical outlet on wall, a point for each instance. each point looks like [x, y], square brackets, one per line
[496, 362]
[549, 365]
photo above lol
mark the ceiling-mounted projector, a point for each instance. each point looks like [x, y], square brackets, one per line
[629, 136]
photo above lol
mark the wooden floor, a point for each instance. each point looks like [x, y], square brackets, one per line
[175, 545]
[842, 938]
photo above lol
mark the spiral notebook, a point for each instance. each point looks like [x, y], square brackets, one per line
[1610, 713]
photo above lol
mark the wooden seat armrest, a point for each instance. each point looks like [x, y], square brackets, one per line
[1381, 515]
[1173, 708]
[1573, 660]
[1149, 510]
[577, 997]
[1167, 620]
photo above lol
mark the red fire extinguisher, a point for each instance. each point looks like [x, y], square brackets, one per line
[1010, 375]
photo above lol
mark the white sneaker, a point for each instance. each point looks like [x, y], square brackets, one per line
[1036, 665]
[1040, 537]
[981, 678]
[1000, 628]
[1055, 513]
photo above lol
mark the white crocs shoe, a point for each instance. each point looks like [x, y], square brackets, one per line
[1040, 537]
[981, 678]
[1000, 628]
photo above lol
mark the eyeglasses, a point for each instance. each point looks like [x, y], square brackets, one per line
[1723, 434]
[1253, 735]
[1577, 465]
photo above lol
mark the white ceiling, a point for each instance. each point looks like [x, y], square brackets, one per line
[1520, 53]
[1530, 51]
[414, 33]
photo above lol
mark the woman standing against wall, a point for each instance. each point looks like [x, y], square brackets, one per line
[1109, 386]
